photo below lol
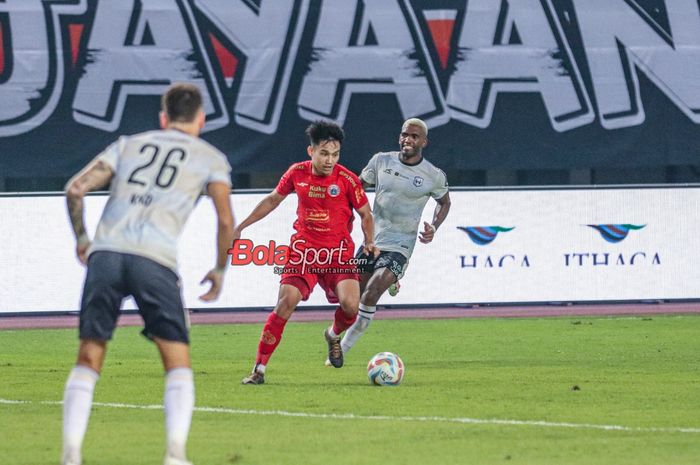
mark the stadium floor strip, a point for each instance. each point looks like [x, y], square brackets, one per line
[352, 416]
[30, 321]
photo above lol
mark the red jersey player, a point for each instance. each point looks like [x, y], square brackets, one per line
[321, 248]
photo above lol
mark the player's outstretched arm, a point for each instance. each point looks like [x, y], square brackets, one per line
[262, 209]
[367, 222]
[96, 175]
[441, 210]
[219, 193]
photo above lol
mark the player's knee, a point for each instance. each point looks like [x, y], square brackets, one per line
[285, 307]
[350, 306]
[372, 294]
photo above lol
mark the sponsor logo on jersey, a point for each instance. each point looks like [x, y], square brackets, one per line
[318, 192]
[359, 194]
[348, 177]
[317, 215]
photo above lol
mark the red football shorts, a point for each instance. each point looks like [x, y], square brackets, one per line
[327, 275]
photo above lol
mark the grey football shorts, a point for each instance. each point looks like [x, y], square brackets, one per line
[111, 277]
[395, 261]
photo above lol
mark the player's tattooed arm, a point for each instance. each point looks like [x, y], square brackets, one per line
[95, 176]
[226, 235]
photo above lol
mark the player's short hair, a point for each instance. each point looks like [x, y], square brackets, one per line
[320, 131]
[417, 122]
[181, 102]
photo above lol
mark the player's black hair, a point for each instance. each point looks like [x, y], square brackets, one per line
[320, 131]
[181, 102]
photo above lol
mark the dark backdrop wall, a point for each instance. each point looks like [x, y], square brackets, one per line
[526, 92]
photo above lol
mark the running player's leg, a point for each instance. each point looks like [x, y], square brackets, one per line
[292, 290]
[379, 282]
[365, 266]
[388, 268]
[99, 310]
[364, 279]
[347, 289]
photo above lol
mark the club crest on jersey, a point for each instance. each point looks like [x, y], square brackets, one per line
[333, 190]
[417, 181]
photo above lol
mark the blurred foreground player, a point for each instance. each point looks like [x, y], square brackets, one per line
[155, 180]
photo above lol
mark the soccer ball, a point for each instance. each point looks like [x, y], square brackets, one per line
[385, 369]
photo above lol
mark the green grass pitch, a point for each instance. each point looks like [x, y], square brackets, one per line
[622, 391]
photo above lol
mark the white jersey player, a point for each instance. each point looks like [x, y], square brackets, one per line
[158, 179]
[401, 192]
[155, 180]
[403, 181]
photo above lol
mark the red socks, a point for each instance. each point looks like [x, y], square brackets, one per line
[274, 327]
[342, 321]
[270, 338]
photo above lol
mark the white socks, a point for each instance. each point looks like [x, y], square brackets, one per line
[77, 403]
[178, 402]
[353, 333]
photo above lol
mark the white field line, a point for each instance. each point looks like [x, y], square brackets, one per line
[352, 416]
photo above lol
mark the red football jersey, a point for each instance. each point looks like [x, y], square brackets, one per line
[326, 203]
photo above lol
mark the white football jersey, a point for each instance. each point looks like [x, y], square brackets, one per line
[401, 192]
[158, 179]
